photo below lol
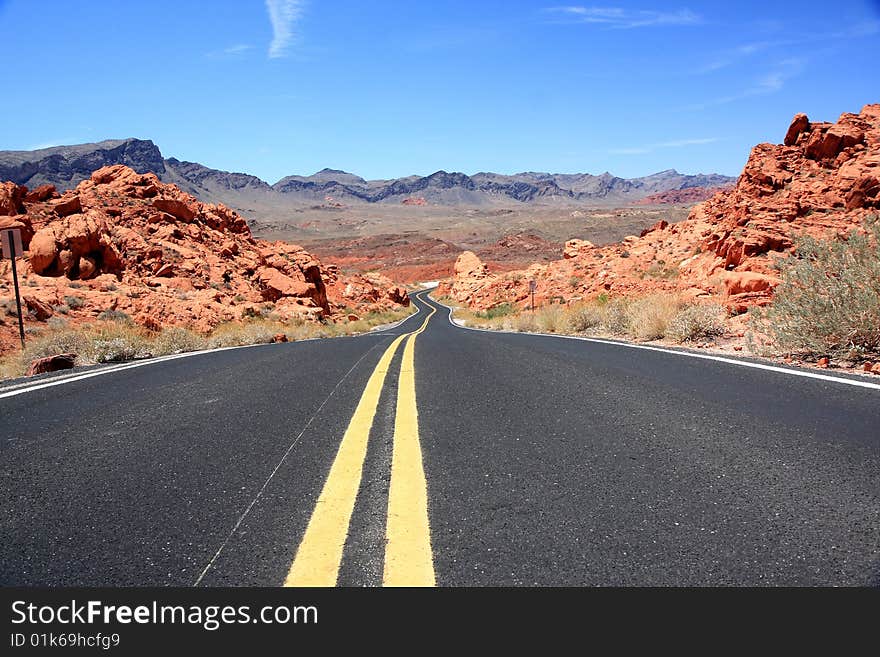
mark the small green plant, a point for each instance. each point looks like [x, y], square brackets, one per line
[74, 302]
[828, 303]
[501, 310]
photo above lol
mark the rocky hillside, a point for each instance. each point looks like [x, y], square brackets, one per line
[687, 196]
[124, 242]
[66, 166]
[823, 181]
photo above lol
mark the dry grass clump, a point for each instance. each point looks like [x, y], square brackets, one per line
[117, 339]
[699, 322]
[649, 317]
[652, 317]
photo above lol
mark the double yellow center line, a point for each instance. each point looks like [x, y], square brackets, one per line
[408, 557]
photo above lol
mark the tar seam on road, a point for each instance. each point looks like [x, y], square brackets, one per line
[408, 557]
[277, 467]
[687, 354]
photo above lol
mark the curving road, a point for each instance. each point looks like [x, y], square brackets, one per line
[512, 460]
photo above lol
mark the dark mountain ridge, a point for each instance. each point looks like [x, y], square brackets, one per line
[65, 166]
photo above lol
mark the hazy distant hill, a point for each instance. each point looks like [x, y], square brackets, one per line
[65, 166]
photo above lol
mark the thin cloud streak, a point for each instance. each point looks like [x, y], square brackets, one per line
[769, 83]
[650, 148]
[624, 19]
[283, 14]
[232, 51]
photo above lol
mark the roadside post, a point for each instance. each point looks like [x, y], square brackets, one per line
[12, 249]
[533, 284]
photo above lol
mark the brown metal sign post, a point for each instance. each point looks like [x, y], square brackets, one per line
[12, 249]
[532, 285]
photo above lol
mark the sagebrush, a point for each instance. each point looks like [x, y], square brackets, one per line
[828, 303]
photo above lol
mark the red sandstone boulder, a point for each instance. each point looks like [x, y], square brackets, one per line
[51, 364]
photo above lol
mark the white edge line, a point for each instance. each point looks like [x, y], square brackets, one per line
[687, 354]
[22, 388]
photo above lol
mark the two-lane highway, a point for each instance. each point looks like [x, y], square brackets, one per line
[430, 453]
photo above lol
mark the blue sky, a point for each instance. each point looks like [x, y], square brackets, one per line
[386, 89]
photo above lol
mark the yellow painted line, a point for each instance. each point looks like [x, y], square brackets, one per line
[408, 556]
[320, 551]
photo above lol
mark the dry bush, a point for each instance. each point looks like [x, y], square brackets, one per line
[616, 316]
[238, 334]
[828, 303]
[582, 318]
[525, 322]
[650, 316]
[117, 342]
[120, 339]
[699, 322]
[177, 340]
[550, 319]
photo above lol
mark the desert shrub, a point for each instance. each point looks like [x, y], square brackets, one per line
[70, 341]
[56, 323]
[649, 317]
[236, 334]
[524, 322]
[8, 307]
[116, 345]
[828, 302]
[550, 319]
[111, 315]
[583, 318]
[74, 302]
[176, 340]
[699, 322]
[63, 309]
[660, 270]
[501, 310]
[616, 316]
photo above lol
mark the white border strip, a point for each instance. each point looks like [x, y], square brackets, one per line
[21, 388]
[687, 354]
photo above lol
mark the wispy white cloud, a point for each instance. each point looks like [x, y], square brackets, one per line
[283, 14]
[768, 83]
[650, 148]
[621, 18]
[66, 141]
[235, 50]
[733, 56]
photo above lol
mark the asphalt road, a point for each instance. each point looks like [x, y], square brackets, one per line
[547, 461]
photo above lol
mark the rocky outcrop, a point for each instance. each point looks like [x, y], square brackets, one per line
[127, 243]
[470, 278]
[824, 180]
[685, 196]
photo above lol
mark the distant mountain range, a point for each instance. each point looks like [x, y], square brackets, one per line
[65, 166]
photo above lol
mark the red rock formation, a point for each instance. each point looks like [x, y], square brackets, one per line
[680, 196]
[823, 181]
[125, 242]
[414, 200]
